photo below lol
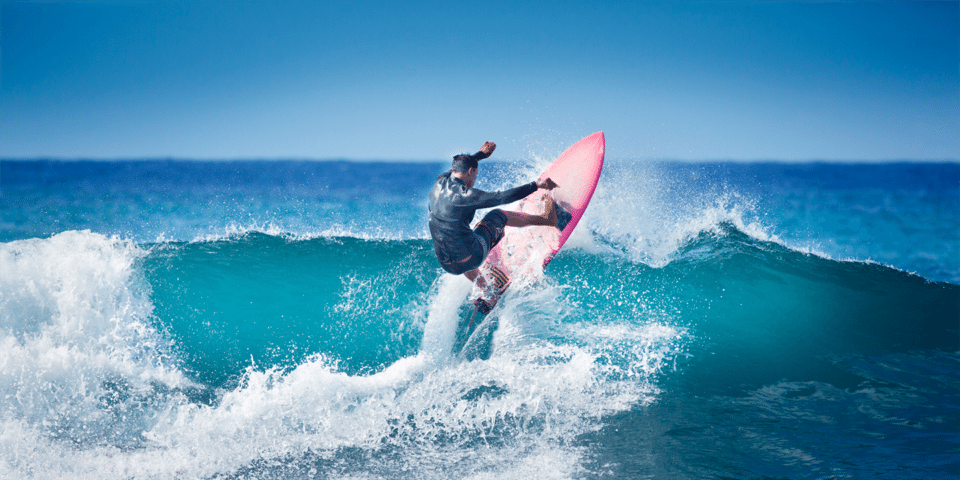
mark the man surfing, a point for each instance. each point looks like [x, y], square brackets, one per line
[453, 204]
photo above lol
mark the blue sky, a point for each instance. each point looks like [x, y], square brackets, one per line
[704, 80]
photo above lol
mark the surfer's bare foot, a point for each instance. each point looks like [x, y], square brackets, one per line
[549, 211]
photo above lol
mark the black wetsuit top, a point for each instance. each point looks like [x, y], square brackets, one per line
[452, 207]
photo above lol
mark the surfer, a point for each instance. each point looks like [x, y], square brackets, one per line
[453, 203]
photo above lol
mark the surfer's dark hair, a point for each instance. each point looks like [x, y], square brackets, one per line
[464, 162]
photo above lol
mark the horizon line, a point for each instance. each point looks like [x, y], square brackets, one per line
[427, 161]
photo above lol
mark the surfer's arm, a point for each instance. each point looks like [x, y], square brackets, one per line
[485, 151]
[547, 184]
[481, 199]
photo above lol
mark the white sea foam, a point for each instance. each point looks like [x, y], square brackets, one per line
[79, 361]
[89, 388]
[440, 331]
[235, 230]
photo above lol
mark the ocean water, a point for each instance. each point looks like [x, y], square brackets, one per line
[288, 320]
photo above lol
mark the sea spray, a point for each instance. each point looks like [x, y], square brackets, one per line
[80, 363]
[441, 328]
[79, 355]
[690, 332]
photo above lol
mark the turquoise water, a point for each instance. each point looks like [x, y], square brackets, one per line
[289, 320]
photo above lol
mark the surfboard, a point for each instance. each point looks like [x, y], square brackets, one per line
[525, 251]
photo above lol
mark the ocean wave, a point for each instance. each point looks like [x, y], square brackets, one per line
[97, 382]
[81, 361]
[261, 353]
[236, 231]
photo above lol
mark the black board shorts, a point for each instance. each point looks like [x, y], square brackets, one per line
[488, 232]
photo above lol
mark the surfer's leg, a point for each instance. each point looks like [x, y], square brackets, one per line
[520, 219]
[548, 218]
[490, 229]
[475, 277]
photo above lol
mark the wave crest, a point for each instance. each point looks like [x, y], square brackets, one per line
[81, 361]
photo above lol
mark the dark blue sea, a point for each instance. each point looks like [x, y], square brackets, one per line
[288, 320]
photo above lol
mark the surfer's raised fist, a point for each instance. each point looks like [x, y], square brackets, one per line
[488, 147]
[547, 184]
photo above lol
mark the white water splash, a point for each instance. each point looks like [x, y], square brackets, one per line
[89, 389]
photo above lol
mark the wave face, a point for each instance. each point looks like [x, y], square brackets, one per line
[277, 300]
[683, 334]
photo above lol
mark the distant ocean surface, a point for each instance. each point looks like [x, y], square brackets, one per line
[288, 320]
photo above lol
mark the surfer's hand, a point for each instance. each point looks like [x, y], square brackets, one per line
[488, 148]
[547, 184]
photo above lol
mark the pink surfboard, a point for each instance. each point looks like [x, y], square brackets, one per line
[527, 250]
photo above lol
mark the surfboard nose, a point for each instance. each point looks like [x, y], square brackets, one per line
[597, 139]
